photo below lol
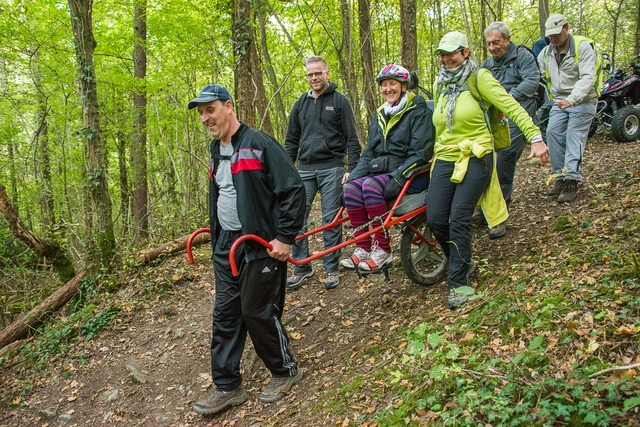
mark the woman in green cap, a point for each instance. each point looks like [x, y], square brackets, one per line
[463, 170]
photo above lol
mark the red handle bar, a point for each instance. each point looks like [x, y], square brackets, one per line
[190, 241]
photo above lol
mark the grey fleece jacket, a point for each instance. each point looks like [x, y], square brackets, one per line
[520, 77]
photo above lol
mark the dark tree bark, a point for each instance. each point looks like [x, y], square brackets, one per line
[45, 248]
[249, 90]
[124, 182]
[409, 37]
[81, 23]
[43, 168]
[366, 55]
[140, 188]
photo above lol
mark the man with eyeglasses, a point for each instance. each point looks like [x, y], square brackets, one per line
[321, 132]
[517, 71]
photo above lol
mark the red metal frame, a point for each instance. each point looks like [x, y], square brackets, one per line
[389, 222]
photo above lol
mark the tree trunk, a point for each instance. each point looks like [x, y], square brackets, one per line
[409, 37]
[140, 188]
[44, 248]
[124, 182]
[43, 167]
[249, 90]
[20, 328]
[281, 125]
[543, 14]
[366, 55]
[81, 23]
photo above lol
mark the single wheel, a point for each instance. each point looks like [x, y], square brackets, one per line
[625, 125]
[423, 262]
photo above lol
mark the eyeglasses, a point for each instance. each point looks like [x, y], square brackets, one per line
[443, 54]
[315, 74]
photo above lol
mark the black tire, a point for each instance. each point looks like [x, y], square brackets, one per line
[425, 264]
[625, 125]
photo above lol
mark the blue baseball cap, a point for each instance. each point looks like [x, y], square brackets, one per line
[210, 93]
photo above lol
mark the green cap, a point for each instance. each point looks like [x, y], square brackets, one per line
[452, 41]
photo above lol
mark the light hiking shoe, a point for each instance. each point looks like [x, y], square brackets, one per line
[569, 191]
[358, 256]
[498, 231]
[471, 270]
[278, 387]
[378, 260]
[295, 281]
[333, 279]
[456, 299]
[220, 400]
[557, 188]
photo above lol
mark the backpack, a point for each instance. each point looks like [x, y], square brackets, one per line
[542, 95]
[597, 81]
[496, 122]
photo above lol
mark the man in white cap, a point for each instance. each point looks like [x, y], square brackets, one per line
[572, 84]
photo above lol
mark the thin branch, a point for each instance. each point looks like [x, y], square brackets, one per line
[615, 368]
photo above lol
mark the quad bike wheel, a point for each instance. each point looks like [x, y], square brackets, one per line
[625, 125]
[424, 263]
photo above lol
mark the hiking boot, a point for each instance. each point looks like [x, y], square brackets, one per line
[557, 188]
[478, 217]
[498, 231]
[569, 191]
[378, 260]
[220, 400]
[456, 299]
[333, 279]
[278, 387]
[358, 256]
[295, 281]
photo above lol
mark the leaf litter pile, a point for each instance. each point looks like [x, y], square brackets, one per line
[549, 337]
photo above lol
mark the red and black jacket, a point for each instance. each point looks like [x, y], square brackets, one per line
[270, 194]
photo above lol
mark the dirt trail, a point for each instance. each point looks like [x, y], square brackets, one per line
[149, 368]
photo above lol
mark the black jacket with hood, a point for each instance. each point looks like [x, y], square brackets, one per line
[270, 194]
[321, 133]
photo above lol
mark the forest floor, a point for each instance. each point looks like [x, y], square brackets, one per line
[149, 359]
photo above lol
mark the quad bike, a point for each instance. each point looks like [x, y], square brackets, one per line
[619, 102]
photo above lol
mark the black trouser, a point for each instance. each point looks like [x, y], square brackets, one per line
[449, 210]
[508, 159]
[253, 303]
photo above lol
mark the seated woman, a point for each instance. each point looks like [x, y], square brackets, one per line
[463, 166]
[400, 137]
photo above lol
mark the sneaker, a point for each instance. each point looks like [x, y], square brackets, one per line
[295, 281]
[333, 279]
[557, 188]
[278, 387]
[358, 256]
[456, 299]
[498, 231]
[377, 261]
[569, 191]
[220, 400]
